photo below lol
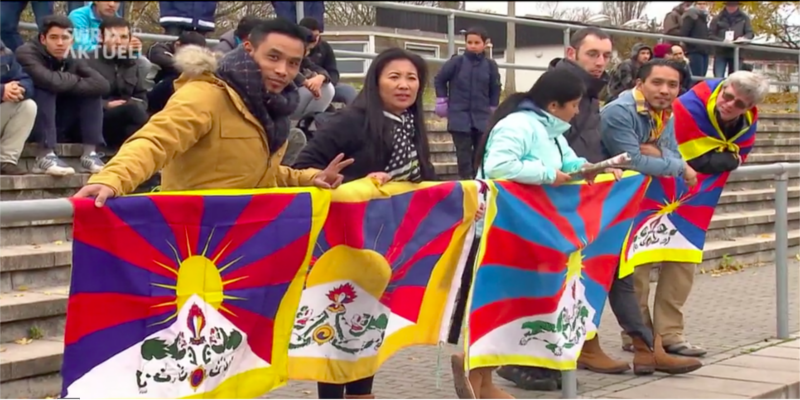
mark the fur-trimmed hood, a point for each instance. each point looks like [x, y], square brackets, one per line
[194, 61]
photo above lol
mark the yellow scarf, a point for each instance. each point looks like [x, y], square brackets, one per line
[658, 119]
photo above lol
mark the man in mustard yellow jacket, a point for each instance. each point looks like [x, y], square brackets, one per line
[226, 125]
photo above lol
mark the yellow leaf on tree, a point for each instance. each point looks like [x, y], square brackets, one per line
[24, 341]
[773, 18]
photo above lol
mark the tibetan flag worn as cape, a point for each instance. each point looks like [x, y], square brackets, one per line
[187, 295]
[547, 259]
[673, 219]
[381, 277]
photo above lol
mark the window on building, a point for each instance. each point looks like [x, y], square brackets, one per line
[424, 50]
[351, 66]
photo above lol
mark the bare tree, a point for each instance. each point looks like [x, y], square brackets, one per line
[562, 10]
[620, 12]
[343, 13]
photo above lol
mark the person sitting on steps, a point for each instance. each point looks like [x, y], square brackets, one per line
[17, 112]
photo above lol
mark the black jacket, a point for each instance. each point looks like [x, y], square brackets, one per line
[322, 55]
[584, 132]
[124, 78]
[346, 132]
[695, 25]
[162, 54]
[716, 162]
[68, 76]
[738, 22]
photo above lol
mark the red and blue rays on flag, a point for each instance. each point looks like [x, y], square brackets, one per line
[129, 276]
[412, 230]
[529, 243]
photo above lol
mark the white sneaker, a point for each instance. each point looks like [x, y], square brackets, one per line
[92, 163]
[52, 165]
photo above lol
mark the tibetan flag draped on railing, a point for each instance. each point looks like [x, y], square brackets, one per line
[547, 259]
[187, 295]
[673, 220]
[382, 276]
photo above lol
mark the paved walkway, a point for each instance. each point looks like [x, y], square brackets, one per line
[728, 315]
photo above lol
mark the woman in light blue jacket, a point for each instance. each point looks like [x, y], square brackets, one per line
[524, 144]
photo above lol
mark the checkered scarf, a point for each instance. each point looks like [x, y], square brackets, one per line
[240, 71]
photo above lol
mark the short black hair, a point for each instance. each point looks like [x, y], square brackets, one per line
[192, 37]
[113, 22]
[647, 68]
[477, 30]
[277, 25]
[245, 26]
[310, 23]
[54, 21]
[578, 37]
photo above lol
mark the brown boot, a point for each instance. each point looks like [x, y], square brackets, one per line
[466, 386]
[488, 389]
[673, 365]
[647, 360]
[595, 359]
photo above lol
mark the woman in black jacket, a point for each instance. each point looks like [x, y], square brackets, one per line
[383, 131]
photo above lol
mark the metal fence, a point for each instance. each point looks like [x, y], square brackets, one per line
[36, 210]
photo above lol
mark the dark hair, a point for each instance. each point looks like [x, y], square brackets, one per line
[477, 30]
[54, 21]
[113, 22]
[558, 85]
[576, 40]
[647, 68]
[245, 26]
[276, 25]
[193, 38]
[310, 23]
[369, 100]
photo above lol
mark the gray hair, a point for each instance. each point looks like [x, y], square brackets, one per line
[749, 85]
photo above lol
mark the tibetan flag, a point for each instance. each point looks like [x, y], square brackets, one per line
[382, 276]
[547, 259]
[673, 219]
[187, 295]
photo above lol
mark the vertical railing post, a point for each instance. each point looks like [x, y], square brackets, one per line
[781, 253]
[451, 34]
[566, 41]
[736, 53]
[569, 384]
[301, 12]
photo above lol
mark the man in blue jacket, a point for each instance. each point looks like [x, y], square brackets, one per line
[312, 9]
[17, 111]
[179, 16]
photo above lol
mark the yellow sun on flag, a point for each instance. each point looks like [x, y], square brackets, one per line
[199, 275]
[574, 266]
[669, 207]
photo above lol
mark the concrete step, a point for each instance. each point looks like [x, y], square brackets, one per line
[752, 199]
[31, 371]
[36, 233]
[34, 267]
[728, 226]
[746, 250]
[33, 313]
[781, 145]
[33, 186]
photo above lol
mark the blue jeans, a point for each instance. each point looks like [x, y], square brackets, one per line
[720, 64]
[344, 93]
[60, 117]
[10, 12]
[698, 64]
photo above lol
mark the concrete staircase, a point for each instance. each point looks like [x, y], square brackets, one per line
[35, 257]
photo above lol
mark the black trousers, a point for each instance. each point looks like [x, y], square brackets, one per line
[65, 118]
[361, 387]
[120, 122]
[466, 144]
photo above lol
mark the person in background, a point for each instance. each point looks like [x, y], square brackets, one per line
[234, 37]
[467, 91]
[731, 24]
[10, 13]
[68, 96]
[226, 125]
[179, 16]
[163, 55]
[384, 132]
[640, 123]
[674, 18]
[624, 76]
[695, 26]
[677, 54]
[17, 111]
[661, 50]
[125, 105]
[312, 9]
[314, 86]
[74, 5]
[322, 55]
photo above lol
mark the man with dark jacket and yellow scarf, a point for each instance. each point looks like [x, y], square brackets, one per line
[226, 125]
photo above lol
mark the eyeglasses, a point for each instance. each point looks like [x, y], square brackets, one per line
[738, 103]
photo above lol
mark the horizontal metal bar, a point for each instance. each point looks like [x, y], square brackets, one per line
[141, 35]
[562, 26]
[39, 210]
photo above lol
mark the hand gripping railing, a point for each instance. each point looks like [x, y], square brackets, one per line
[37, 210]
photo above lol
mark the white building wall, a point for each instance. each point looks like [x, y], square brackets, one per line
[533, 56]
